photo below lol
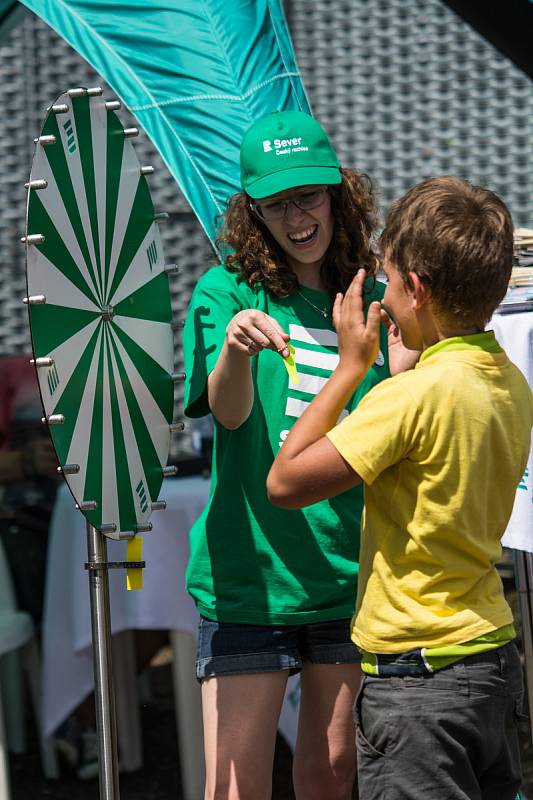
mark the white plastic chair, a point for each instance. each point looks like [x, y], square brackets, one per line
[16, 629]
[17, 639]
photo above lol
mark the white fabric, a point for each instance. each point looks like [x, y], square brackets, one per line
[162, 604]
[515, 334]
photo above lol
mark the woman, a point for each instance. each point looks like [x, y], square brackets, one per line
[275, 588]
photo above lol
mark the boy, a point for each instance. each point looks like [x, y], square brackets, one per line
[441, 449]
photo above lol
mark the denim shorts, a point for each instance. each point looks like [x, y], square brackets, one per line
[227, 648]
[453, 734]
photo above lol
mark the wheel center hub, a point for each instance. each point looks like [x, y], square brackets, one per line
[108, 312]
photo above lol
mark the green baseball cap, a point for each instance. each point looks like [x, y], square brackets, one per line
[284, 150]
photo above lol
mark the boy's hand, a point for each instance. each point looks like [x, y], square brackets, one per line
[358, 339]
[400, 358]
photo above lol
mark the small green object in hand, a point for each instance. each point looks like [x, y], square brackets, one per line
[290, 363]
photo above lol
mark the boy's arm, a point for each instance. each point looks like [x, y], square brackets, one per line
[308, 468]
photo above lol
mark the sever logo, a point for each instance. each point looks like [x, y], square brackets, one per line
[267, 146]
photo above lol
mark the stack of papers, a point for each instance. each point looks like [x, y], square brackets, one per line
[523, 238]
[519, 295]
[523, 247]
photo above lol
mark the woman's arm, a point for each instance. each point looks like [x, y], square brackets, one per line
[230, 388]
[308, 468]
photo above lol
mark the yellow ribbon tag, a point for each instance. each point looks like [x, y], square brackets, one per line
[290, 363]
[134, 577]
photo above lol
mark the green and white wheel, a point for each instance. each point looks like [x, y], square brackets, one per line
[100, 314]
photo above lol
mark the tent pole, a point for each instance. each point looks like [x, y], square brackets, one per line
[524, 587]
[106, 726]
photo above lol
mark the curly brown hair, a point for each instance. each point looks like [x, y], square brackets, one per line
[249, 249]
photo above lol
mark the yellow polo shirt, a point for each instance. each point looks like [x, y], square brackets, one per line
[441, 450]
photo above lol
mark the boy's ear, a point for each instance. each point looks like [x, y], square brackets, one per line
[420, 291]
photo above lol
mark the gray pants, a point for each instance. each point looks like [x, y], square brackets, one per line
[452, 735]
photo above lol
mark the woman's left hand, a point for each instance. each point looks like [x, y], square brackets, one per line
[358, 338]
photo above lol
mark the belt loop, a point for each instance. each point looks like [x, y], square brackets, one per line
[501, 652]
[461, 673]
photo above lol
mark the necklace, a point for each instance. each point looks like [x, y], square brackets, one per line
[321, 311]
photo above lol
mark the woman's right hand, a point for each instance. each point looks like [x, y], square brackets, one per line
[251, 331]
[230, 387]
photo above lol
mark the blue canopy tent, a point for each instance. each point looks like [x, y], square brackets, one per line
[195, 75]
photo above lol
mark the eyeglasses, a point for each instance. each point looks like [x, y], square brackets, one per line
[272, 210]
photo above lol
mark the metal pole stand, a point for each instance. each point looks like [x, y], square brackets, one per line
[524, 587]
[106, 725]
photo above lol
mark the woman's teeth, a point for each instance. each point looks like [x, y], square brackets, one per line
[301, 237]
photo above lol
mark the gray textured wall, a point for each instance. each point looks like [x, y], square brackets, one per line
[407, 90]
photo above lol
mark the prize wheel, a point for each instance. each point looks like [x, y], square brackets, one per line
[100, 313]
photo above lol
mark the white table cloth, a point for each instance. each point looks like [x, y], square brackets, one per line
[515, 334]
[162, 604]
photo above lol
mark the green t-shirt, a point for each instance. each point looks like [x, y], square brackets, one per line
[250, 561]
